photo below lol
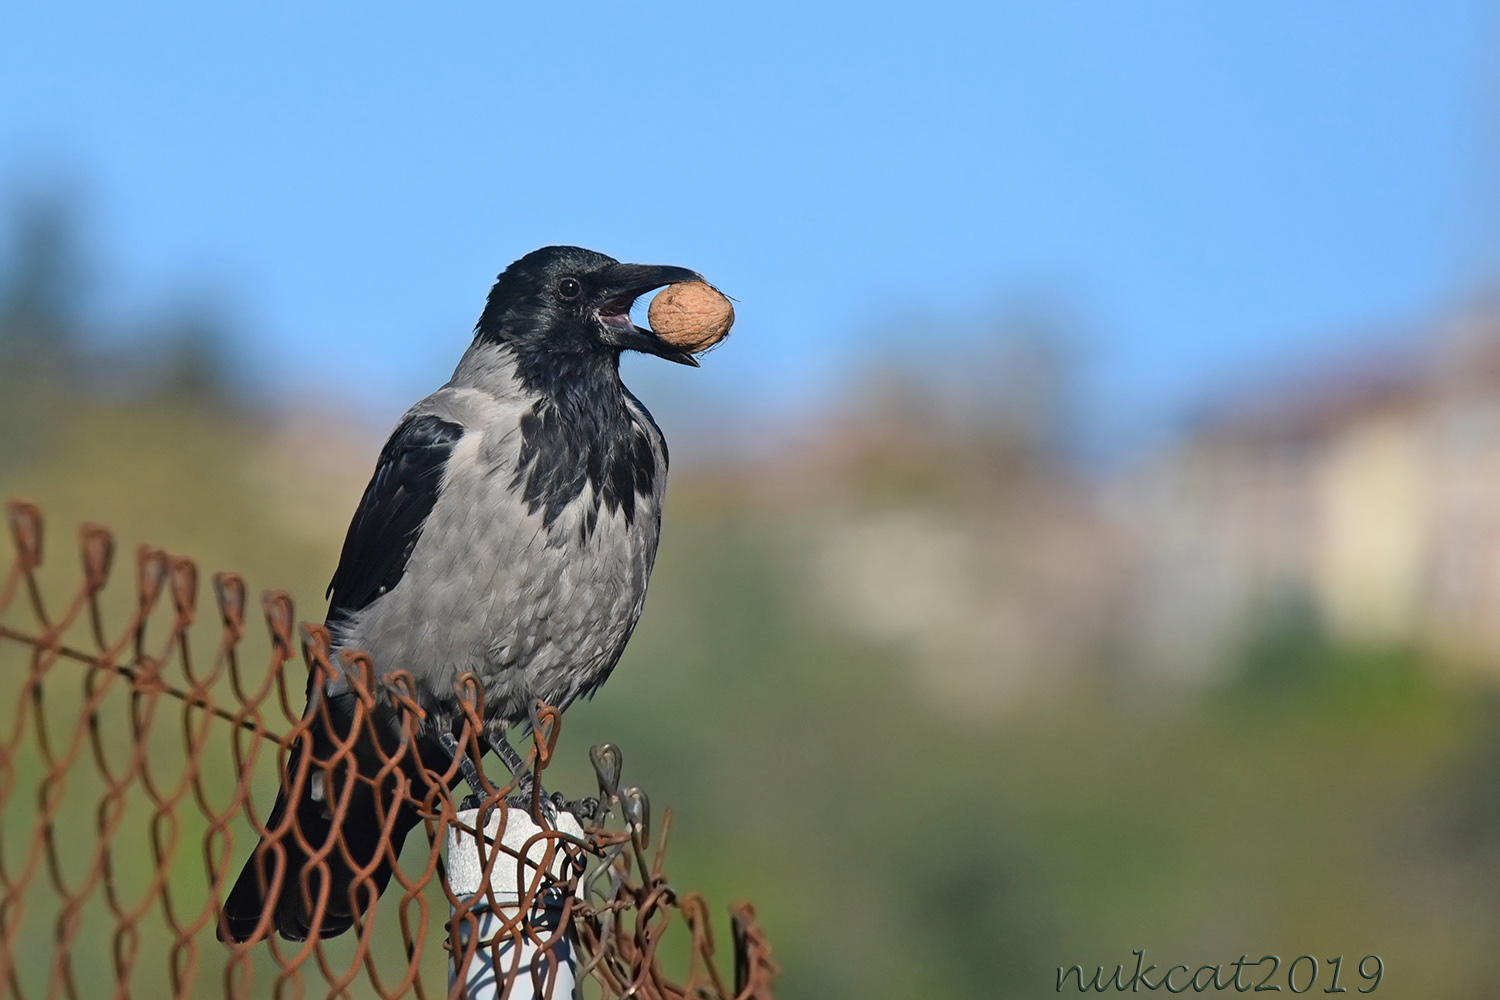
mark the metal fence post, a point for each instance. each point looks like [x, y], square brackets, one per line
[519, 956]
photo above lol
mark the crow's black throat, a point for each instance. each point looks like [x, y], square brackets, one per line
[583, 432]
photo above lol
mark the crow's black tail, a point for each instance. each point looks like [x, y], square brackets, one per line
[306, 862]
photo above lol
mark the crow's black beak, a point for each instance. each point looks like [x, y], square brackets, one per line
[621, 285]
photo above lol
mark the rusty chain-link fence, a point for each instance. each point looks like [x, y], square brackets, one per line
[139, 749]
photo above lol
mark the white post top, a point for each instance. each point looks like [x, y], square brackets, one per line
[465, 860]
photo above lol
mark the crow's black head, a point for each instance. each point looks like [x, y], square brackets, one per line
[568, 305]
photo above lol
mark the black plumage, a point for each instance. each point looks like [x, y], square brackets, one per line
[584, 442]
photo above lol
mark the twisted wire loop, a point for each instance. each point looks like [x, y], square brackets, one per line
[137, 760]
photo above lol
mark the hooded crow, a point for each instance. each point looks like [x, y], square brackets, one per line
[509, 530]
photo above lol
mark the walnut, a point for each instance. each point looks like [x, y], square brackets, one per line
[692, 316]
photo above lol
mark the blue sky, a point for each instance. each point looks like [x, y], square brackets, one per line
[1202, 188]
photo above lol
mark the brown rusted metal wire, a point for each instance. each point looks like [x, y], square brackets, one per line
[136, 763]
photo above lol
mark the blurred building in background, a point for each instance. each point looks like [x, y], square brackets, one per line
[1366, 495]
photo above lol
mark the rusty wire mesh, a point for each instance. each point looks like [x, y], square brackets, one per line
[136, 759]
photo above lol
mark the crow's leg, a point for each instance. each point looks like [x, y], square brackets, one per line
[513, 761]
[467, 769]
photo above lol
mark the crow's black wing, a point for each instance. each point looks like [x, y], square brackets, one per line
[391, 514]
[355, 858]
[385, 528]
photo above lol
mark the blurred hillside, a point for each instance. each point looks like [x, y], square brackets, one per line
[900, 678]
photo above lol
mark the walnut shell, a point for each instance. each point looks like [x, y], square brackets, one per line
[691, 315]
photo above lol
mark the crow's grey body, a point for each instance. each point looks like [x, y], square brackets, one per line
[509, 531]
[535, 607]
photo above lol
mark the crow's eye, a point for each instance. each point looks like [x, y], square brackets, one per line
[569, 288]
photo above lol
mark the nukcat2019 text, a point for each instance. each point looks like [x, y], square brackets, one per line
[1264, 974]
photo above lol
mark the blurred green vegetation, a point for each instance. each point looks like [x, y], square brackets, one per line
[1318, 799]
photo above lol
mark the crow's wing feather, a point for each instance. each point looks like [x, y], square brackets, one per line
[390, 516]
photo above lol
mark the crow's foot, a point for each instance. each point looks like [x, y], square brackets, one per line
[539, 808]
[586, 811]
